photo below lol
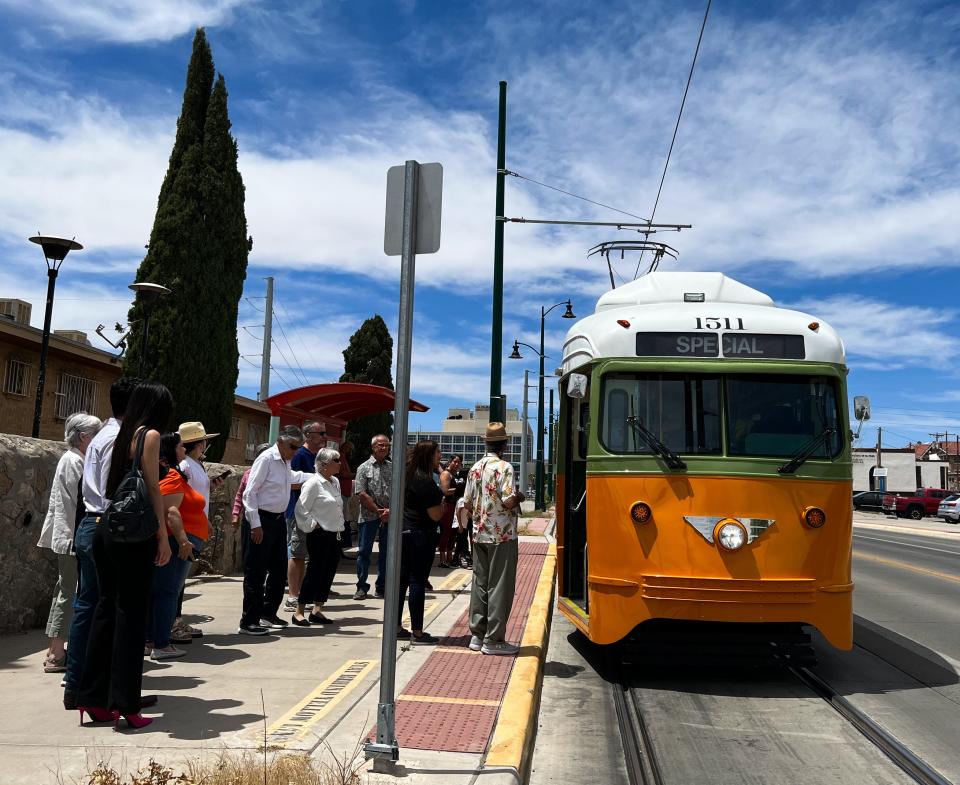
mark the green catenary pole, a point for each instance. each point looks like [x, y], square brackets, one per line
[497, 412]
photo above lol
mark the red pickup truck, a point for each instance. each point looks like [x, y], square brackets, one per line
[924, 501]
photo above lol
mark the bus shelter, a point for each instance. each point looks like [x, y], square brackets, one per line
[333, 404]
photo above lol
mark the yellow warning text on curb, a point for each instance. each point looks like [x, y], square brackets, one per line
[296, 722]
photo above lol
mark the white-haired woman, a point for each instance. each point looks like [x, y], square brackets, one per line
[63, 512]
[319, 513]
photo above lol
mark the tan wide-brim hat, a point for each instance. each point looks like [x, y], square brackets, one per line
[496, 432]
[193, 432]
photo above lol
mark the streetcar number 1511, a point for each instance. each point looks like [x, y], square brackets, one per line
[715, 323]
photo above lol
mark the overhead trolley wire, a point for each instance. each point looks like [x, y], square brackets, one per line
[575, 196]
[290, 366]
[676, 127]
[313, 358]
[283, 332]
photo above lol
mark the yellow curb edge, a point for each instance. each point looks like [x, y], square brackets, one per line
[514, 734]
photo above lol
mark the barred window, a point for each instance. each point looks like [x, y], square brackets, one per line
[235, 428]
[75, 394]
[256, 434]
[16, 380]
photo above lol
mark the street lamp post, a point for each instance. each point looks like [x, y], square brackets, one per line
[551, 453]
[149, 293]
[55, 250]
[568, 314]
[524, 447]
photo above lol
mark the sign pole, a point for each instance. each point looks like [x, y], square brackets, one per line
[386, 750]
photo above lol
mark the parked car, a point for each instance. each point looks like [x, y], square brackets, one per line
[868, 500]
[925, 501]
[949, 509]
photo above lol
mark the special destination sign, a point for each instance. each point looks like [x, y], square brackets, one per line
[708, 344]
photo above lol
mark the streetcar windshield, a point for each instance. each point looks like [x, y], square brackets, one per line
[776, 416]
[765, 415]
[681, 410]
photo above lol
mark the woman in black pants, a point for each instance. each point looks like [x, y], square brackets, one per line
[113, 670]
[422, 509]
[319, 513]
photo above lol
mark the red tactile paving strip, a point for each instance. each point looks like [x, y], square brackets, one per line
[460, 679]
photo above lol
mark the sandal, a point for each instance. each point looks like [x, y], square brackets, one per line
[55, 665]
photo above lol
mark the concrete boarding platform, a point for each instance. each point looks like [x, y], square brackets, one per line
[309, 690]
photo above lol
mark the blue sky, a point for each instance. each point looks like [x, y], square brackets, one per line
[817, 161]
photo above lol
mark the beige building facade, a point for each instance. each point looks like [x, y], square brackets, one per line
[78, 379]
[463, 430]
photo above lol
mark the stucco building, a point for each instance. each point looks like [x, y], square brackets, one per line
[78, 378]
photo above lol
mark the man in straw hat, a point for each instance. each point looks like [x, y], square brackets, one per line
[493, 502]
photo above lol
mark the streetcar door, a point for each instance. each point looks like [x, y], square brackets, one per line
[577, 427]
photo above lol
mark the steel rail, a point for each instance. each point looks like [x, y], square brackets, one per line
[639, 754]
[883, 740]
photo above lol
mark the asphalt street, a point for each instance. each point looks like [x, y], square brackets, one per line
[910, 584]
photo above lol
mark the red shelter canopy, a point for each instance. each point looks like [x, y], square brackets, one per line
[334, 404]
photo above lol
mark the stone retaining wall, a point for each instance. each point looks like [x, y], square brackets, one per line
[28, 574]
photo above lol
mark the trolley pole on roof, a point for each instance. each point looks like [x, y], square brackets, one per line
[497, 407]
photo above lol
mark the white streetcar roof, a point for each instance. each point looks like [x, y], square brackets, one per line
[733, 320]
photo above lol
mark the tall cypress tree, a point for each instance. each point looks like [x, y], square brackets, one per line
[198, 249]
[367, 360]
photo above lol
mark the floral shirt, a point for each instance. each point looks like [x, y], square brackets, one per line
[489, 482]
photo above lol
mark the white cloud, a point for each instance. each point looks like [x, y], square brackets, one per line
[127, 21]
[889, 334]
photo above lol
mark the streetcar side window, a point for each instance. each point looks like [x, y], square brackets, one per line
[776, 416]
[681, 410]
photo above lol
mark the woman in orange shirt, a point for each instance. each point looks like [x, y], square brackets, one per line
[189, 529]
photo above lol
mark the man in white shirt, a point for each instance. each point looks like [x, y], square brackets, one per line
[96, 468]
[265, 528]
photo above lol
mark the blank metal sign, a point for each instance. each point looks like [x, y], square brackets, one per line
[429, 195]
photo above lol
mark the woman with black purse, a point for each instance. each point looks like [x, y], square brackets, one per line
[125, 551]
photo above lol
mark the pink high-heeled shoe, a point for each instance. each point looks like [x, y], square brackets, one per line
[97, 713]
[135, 721]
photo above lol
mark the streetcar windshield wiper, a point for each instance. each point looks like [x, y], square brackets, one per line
[672, 460]
[806, 451]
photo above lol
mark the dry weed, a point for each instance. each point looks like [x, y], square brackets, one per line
[242, 769]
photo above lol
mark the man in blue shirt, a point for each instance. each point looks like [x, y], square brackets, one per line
[304, 460]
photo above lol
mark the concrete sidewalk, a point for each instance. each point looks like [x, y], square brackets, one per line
[929, 525]
[312, 690]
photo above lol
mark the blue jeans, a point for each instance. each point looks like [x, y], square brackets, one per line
[167, 583]
[367, 534]
[84, 602]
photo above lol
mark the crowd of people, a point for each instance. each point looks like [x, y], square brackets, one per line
[129, 511]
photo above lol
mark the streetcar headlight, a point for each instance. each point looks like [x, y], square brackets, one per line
[731, 535]
[641, 512]
[814, 517]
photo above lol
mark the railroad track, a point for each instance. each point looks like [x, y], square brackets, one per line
[640, 753]
[884, 741]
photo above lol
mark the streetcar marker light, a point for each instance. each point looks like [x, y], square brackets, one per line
[731, 535]
[814, 517]
[624, 324]
[694, 297]
[814, 326]
[641, 512]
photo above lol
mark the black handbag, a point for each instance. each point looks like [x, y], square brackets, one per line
[130, 516]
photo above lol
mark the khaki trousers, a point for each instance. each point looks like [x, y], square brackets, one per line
[494, 585]
[61, 608]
